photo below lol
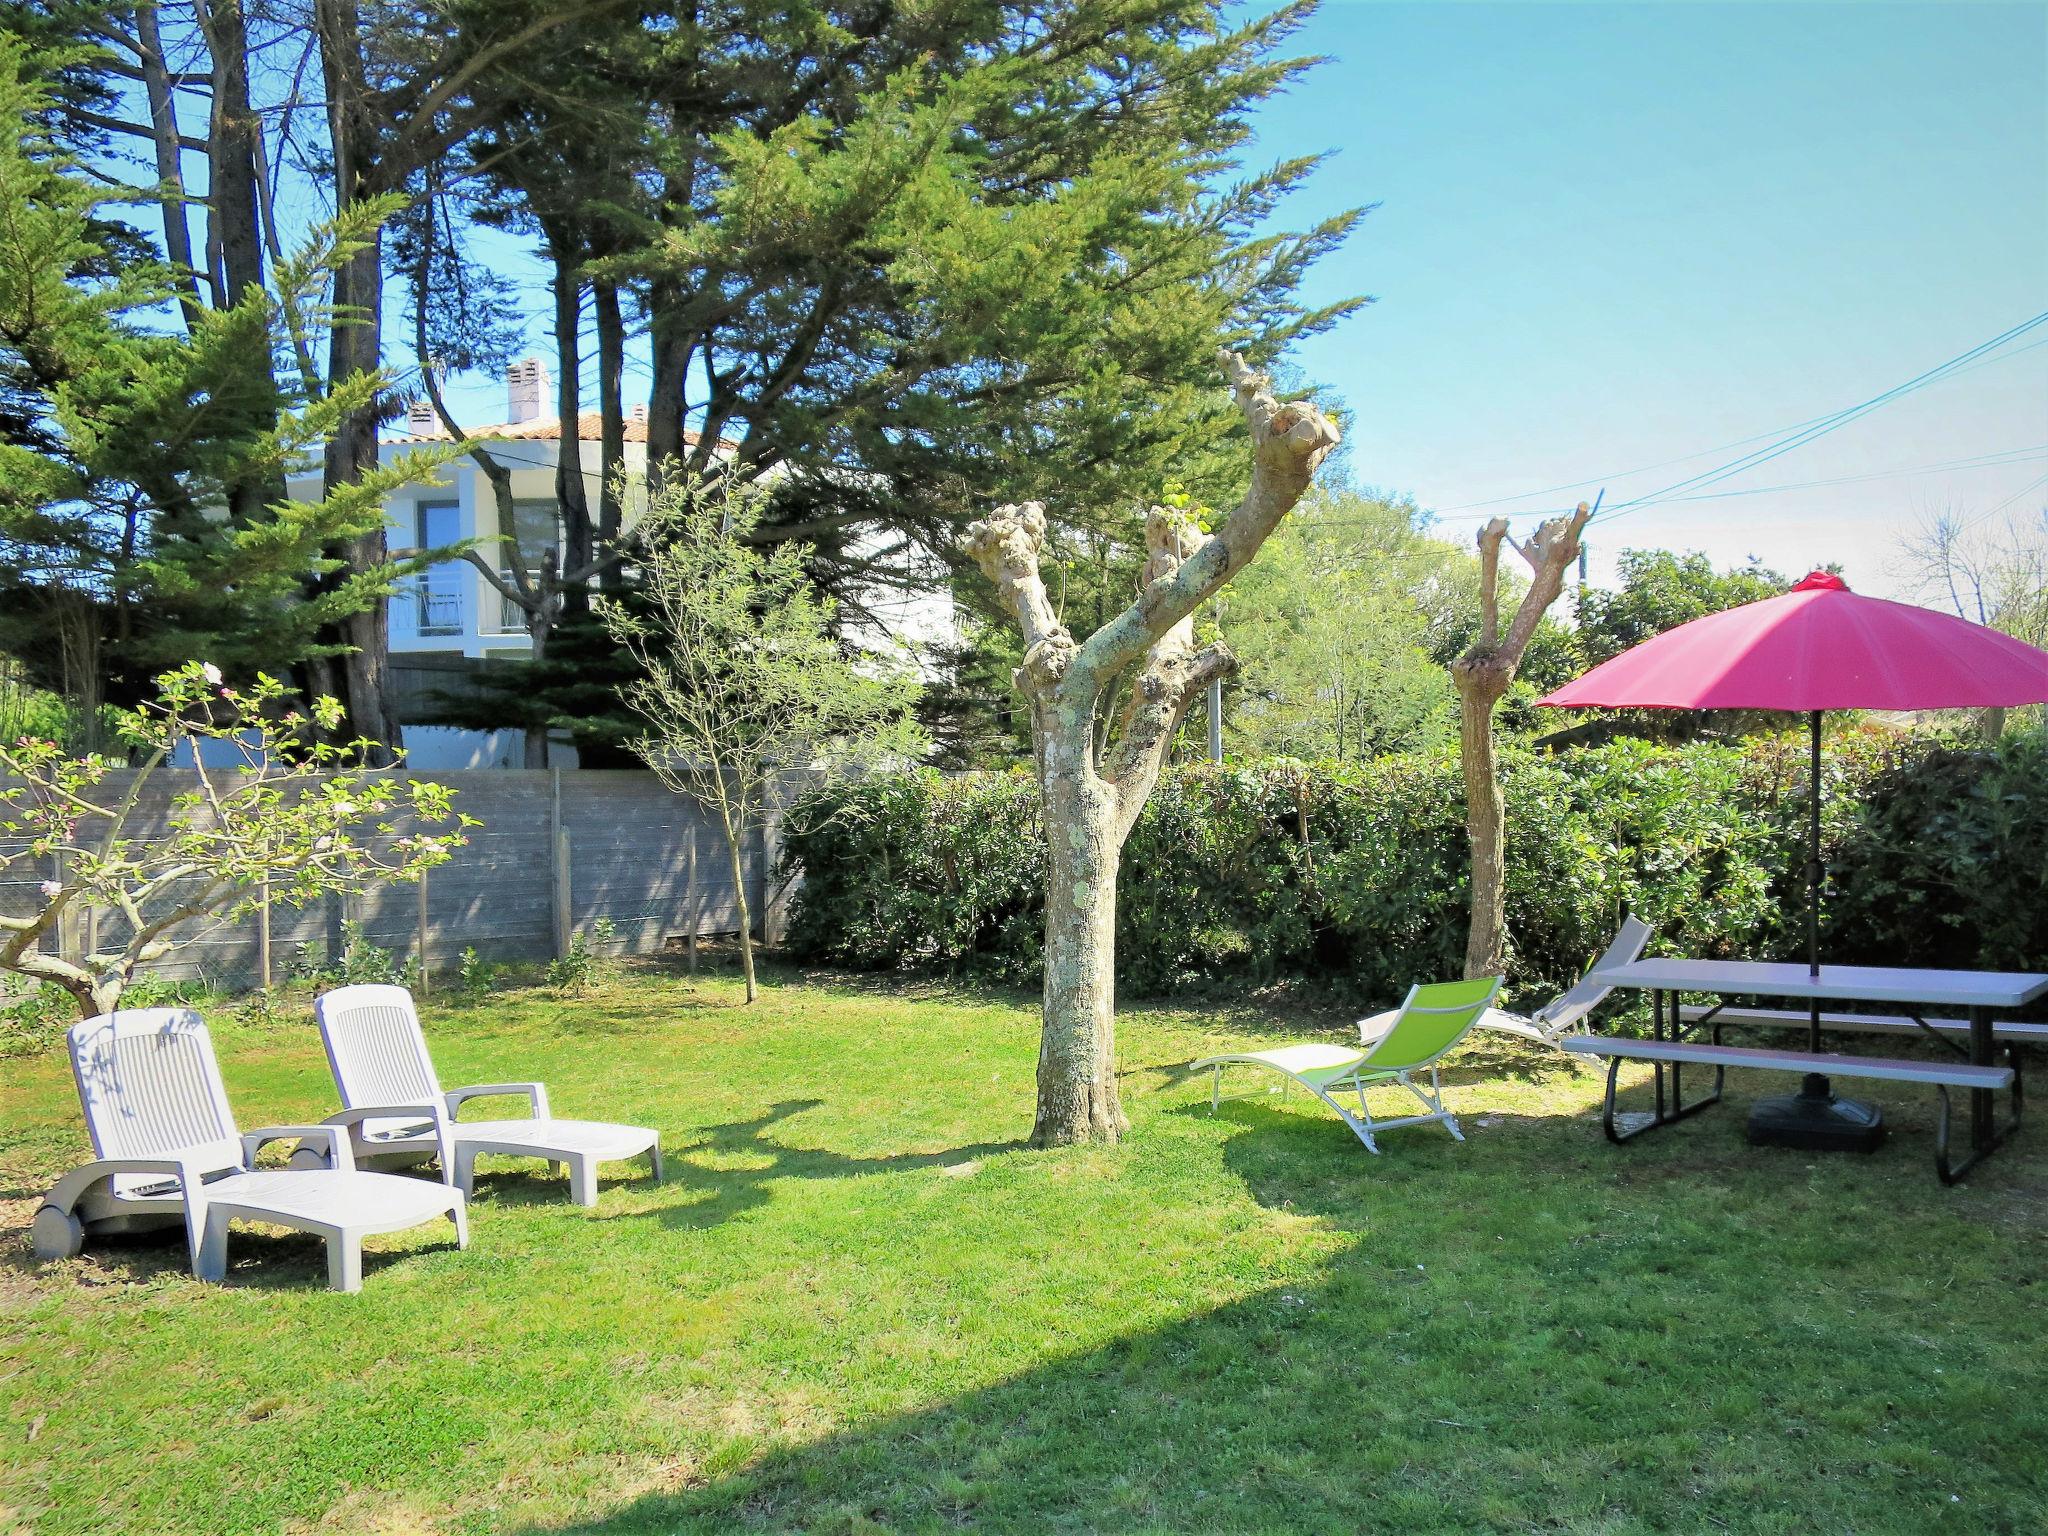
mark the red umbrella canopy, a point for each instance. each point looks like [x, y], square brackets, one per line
[1819, 646]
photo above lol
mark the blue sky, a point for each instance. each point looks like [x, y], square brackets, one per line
[1614, 235]
[1610, 235]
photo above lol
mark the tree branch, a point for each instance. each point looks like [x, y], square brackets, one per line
[1288, 442]
[1006, 546]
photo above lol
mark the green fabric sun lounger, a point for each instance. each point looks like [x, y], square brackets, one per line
[1434, 1018]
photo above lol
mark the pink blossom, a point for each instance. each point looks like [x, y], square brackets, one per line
[211, 673]
[52, 888]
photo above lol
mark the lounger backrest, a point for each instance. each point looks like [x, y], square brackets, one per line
[1433, 1019]
[150, 1087]
[375, 1048]
[1570, 1007]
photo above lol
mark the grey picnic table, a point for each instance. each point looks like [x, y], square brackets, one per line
[1979, 993]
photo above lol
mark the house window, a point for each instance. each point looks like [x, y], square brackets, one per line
[440, 585]
[536, 529]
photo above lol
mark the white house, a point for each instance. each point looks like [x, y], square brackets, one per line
[451, 620]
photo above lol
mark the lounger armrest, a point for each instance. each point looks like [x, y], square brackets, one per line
[339, 1157]
[361, 1112]
[534, 1093]
[439, 1116]
[66, 1191]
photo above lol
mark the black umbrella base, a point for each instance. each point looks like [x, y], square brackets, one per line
[1815, 1119]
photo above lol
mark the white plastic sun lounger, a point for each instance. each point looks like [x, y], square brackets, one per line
[168, 1150]
[379, 1057]
[1556, 1018]
[1432, 1020]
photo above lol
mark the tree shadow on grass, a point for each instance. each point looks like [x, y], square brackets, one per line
[730, 1168]
[1534, 1336]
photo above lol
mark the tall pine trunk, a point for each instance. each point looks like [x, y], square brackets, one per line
[611, 362]
[356, 346]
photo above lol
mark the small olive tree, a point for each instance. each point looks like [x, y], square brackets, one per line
[741, 678]
[295, 817]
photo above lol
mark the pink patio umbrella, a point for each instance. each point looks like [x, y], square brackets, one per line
[1817, 647]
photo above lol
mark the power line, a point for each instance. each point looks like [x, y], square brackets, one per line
[1954, 369]
[1800, 437]
[1982, 461]
[2034, 453]
[2031, 486]
[1643, 469]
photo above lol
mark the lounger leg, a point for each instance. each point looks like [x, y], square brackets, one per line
[344, 1262]
[465, 1170]
[654, 1158]
[57, 1233]
[205, 1235]
[583, 1180]
[1436, 1089]
[210, 1255]
[459, 1214]
[1361, 1123]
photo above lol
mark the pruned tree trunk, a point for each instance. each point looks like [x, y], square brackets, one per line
[1077, 1097]
[1479, 691]
[1482, 677]
[1091, 789]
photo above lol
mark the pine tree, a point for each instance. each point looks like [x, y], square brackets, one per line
[129, 543]
[900, 265]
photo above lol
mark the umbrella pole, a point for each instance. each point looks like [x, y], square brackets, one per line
[1813, 874]
[1813, 1117]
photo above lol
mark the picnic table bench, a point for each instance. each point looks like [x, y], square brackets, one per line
[1943, 1075]
[1948, 1030]
[1976, 1039]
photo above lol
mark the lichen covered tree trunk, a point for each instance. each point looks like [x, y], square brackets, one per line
[1091, 788]
[1077, 1097]
[1482, 677]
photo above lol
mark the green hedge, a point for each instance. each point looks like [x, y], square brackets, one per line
[1354, 878]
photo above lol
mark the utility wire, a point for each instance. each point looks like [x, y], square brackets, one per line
[2024, 490]
[1800, 437]
[1998, 460]
[1446, 513]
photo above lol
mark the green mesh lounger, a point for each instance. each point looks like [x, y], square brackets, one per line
[1434, 1018]
[1563, 1014]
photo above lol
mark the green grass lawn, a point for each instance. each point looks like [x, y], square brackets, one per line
[858, 1304]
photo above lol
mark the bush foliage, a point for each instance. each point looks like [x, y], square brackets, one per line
[1354, 877]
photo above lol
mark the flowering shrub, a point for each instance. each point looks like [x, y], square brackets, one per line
[297, 814]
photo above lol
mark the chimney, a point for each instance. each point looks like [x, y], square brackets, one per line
[421, 421]
[526, 388]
